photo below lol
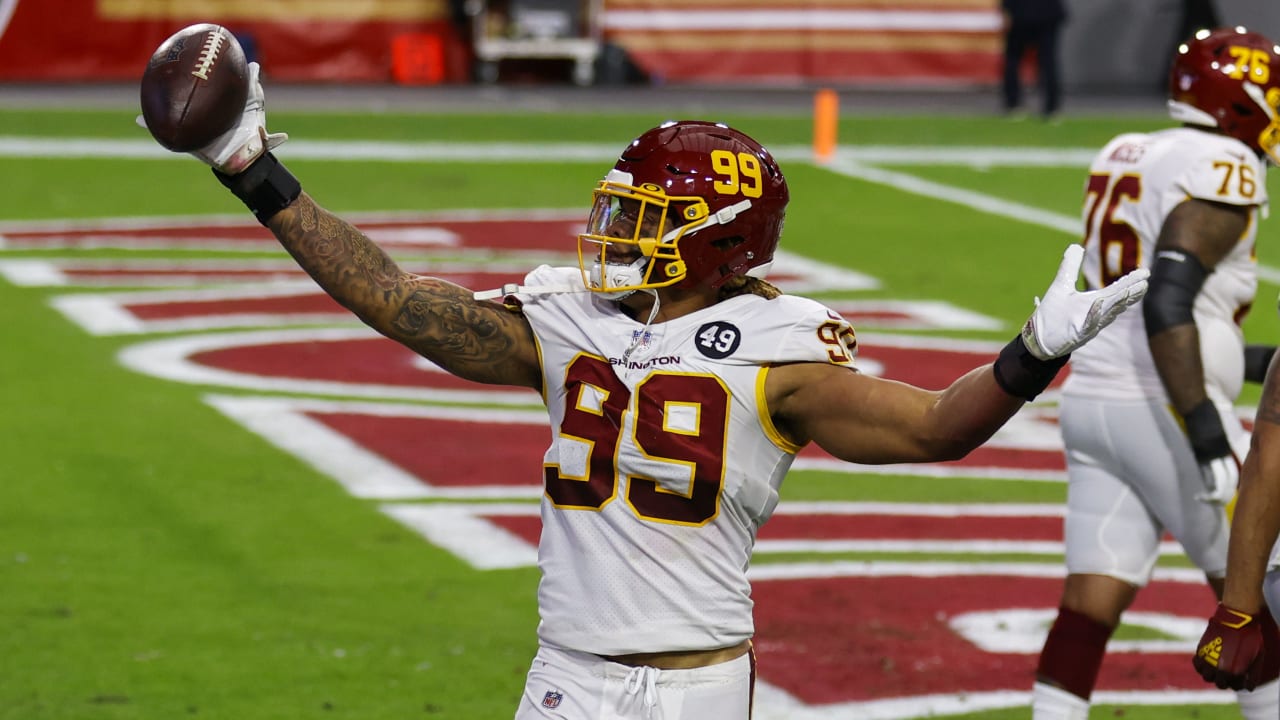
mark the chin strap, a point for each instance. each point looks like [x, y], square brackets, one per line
[723, 216]
[638, 337]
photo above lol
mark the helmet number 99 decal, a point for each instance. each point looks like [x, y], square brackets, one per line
[742, 171]
[1258, 63]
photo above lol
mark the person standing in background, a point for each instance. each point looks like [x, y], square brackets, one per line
[1033, 25]
[1196, 14]
[1152, 441]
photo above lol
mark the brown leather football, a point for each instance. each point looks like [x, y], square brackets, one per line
[194, 87]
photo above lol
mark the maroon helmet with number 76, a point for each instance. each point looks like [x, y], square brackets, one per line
[688, 203]
[1229, 79]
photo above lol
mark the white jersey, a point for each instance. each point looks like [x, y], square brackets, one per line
[663, 463]
[1134, 183]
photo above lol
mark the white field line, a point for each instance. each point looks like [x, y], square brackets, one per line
[6, 13]
[851, 167]
[285, 423]
[172, 359]
[240, 221]
[931, 547]
[939, 568]
[773, 703]
[327, 449]
[969, 198]
[363, 151]
[462, 527]
[850, 161]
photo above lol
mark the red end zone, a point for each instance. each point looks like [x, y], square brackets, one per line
[829, 640]
[1029, 443]
[825, 634]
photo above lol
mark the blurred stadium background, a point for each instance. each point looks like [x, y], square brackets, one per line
[220, 497]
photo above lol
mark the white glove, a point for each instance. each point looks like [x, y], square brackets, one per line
[234, 150]
[1067, 318]
[1221, 477]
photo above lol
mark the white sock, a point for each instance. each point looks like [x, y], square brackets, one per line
[1051, 703]
[1261, 703]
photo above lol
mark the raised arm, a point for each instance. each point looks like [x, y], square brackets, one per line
[871, 420]
[477, 340]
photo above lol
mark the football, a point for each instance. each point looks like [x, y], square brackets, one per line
[195, 87]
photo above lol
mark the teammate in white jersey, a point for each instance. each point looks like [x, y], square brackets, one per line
[1152, 442]
[680, 386]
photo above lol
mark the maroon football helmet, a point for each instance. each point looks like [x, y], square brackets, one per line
[1229, 78]
[689, 203]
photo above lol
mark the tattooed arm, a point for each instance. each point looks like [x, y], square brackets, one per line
[473, 339]
[1256, 522]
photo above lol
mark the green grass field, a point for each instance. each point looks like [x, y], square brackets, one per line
[159, 561]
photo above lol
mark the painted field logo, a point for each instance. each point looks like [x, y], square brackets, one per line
[935, 632]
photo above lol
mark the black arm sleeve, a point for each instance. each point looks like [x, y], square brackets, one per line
[1176, 279]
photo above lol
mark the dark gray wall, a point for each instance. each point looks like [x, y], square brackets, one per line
[1119, 45]
[1124, 46]
[1260, 15]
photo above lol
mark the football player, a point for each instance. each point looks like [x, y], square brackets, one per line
[1152, 442]
[680, 386]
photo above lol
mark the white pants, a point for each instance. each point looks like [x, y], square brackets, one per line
[1132, 476]
[1271, 591]
[567, 685]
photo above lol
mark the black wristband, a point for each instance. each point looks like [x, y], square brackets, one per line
[1204, 430]
[1022, 374]
[266, 187]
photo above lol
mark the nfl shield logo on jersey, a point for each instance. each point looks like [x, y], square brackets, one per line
[641, 340]
[552, 699]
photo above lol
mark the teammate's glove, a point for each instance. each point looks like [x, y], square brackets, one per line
[1219, 467]
[247, 140]
[1234, 650]
[1067, 318]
